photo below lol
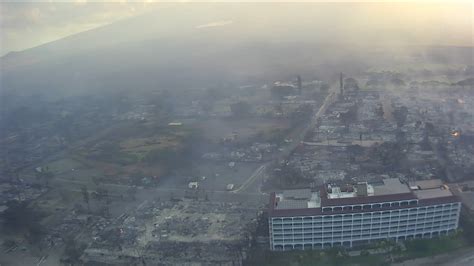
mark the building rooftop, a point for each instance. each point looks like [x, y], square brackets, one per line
[433, 193]
[426, 184]
[390, 189]
[429, 189]
[297, 194]
[387, 186]
[292, 204]
[297, 199]
[390, 186]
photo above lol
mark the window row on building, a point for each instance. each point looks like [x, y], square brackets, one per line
[371, 206]
[366, 223]
[356, 242]
[398, 213]
[445, 225]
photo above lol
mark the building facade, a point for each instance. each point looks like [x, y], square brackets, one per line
[355, 215]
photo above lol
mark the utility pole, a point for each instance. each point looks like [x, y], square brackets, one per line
[299, 84]
[341, 84]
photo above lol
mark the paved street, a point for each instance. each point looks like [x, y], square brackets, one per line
[253, 183]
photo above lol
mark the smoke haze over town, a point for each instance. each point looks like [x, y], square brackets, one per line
[236, 133]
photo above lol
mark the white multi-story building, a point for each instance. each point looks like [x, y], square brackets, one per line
[357, 214]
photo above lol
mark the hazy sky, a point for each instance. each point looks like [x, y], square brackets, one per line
[29, 24]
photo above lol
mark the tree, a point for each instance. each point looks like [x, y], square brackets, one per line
[384, 245]
[467, 223]
[396, 251]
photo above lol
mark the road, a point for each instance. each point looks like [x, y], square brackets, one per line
[253, 183]
[256, 174]
[149, 193]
